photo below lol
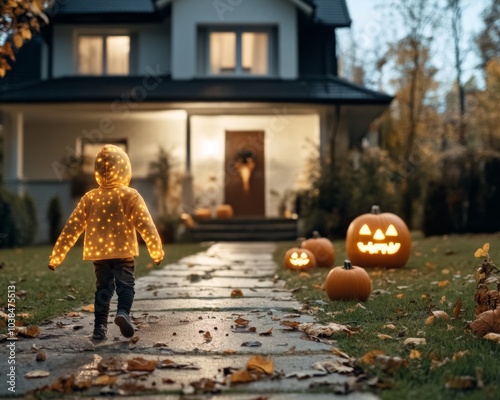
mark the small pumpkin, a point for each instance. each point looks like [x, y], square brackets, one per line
[348, 282]
[297, 259]
[322, 248]
[224, 211]
[378, 240]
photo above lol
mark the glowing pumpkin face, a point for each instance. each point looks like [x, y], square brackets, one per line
[299, 259]
[378, 240]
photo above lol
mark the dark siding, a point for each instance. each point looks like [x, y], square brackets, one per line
[27, 67]
[317, 49]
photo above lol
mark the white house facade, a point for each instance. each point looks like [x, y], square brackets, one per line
[239, 93]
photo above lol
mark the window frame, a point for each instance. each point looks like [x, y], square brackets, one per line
[204, 68]
[104, 35]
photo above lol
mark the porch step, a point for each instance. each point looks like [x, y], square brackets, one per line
[245, 229]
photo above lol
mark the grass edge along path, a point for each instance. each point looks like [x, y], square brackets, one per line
[42, 294]
[454, 363]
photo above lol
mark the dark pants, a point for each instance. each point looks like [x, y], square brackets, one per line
[110, 274]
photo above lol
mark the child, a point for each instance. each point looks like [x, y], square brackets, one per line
[110, 215]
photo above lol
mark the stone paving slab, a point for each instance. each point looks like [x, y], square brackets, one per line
[147, 290]
[211, 273]
[198, 281]
[234, 304]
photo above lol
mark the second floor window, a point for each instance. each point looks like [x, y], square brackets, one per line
[104, 55]
[239, 52]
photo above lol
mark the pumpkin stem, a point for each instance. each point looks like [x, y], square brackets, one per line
[316, 234]
[299, 241]
[376, 210]
[347, 264]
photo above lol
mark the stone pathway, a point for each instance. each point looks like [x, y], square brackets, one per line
[186, 317]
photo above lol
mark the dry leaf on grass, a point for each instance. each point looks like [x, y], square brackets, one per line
[486, 322]
[314, 329]
[414, 341]
[444, 283]
[383, 336]
[438, 314]
[369, 358]
[461, 382]
[389, 326]
[492, 336]
[457, 308]
[415, 355]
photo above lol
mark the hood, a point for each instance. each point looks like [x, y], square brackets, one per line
[112, 167]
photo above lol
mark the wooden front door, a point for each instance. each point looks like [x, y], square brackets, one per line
[244, 172]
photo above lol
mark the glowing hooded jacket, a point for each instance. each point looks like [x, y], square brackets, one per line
[109, 215]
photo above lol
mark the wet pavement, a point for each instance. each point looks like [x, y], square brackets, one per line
[217, 325]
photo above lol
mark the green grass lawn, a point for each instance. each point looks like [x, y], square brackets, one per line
[43, 294]
[433, 279]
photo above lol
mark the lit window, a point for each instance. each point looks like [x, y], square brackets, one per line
[104, 55]
[239, 52]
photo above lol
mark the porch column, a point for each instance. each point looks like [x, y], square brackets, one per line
[13, 154]
[187, 182]
[334, 141]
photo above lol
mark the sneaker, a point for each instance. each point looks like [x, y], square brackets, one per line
[122, 319]
[100, 332]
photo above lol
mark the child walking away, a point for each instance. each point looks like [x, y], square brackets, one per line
[110, 216]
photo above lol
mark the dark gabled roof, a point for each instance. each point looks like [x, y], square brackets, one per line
[108, 89]
[105, 6]
[329, 12]
[332, 12]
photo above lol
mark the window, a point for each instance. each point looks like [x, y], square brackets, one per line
[104, 55]
[239, 52]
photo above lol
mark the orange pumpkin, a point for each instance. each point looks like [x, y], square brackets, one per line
[298, 259]
[348, 282]
[378, 240]
[322, 248]
[224, 211]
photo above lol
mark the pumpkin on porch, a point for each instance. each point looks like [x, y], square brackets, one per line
[322, 248]
[348, 282]
[224, 211]
[297, 259]
[203, 213]
[378, 240]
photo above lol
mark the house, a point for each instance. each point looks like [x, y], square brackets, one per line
[237, 92]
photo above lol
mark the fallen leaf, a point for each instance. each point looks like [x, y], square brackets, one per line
[41, 356]
[229, 351]
[400, 295]
[268, 333]
[141, 364]
[241, 321]
[444, 283]
[73, 314]
[291, 324]
[28, 331]
[304, 275]
[37, 373]
[110, 364]
[252, 329]
[207, 336]
[492, 336]
[314, 329]
[261, 363]
[236, 293]
[332, 367]
[461, 382]
[105, 380]
[390, 326]
[390, 364]
[242, 376]
[486, 322]
[457, 308]
[134, 339]
[369, 358]
[88, 308]
[459, 354]
[169, 364]
[384, 336]
[443, 299]
[415, 355]
[414, 341]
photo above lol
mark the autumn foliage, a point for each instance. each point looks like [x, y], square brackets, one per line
[20, 20]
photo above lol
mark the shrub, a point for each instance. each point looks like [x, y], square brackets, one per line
[437, 218]
[17, 220]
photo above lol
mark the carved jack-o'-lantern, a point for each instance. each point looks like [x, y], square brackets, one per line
[378, 240]
[298, 259]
